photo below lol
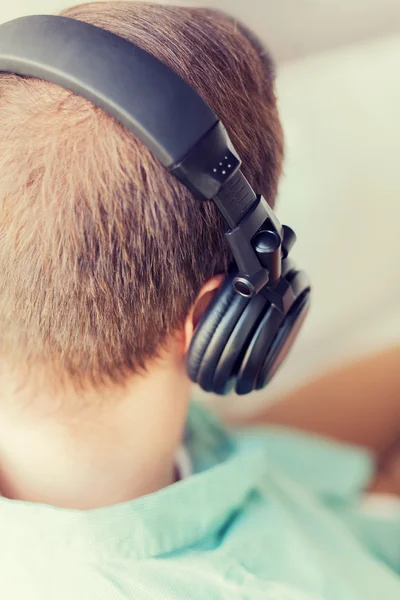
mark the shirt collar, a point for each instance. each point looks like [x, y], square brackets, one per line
[169, 520]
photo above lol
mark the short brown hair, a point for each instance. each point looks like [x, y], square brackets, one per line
[102, 251]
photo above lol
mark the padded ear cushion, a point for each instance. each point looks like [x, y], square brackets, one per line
[257, 350]
[219, 340]
[217, 316]
[236, 345]
[274, 336]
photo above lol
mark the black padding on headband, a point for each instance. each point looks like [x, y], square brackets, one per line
[142, 93]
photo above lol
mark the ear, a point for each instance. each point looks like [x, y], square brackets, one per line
[200, 305]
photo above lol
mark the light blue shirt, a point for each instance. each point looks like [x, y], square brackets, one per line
[269, 516]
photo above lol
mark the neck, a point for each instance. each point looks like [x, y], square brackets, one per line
[119, 448]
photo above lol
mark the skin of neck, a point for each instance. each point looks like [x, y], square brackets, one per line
[89, 450]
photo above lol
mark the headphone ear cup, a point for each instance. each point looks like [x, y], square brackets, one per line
[284, 339]
[241, 342]
[236, 346]
[212, 332]
[274, 336]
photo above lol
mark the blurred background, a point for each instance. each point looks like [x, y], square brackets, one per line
[339, 94]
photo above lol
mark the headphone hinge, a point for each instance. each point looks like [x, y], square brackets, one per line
[256, 244]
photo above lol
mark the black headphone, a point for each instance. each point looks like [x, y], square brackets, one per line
[253, 319]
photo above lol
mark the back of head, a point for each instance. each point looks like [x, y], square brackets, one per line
[102, 251]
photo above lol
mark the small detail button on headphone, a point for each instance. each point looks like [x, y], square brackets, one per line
[227, 165]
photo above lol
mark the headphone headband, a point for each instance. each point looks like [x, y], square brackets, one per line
[163, 111]
[115, 75]
[137, 89]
